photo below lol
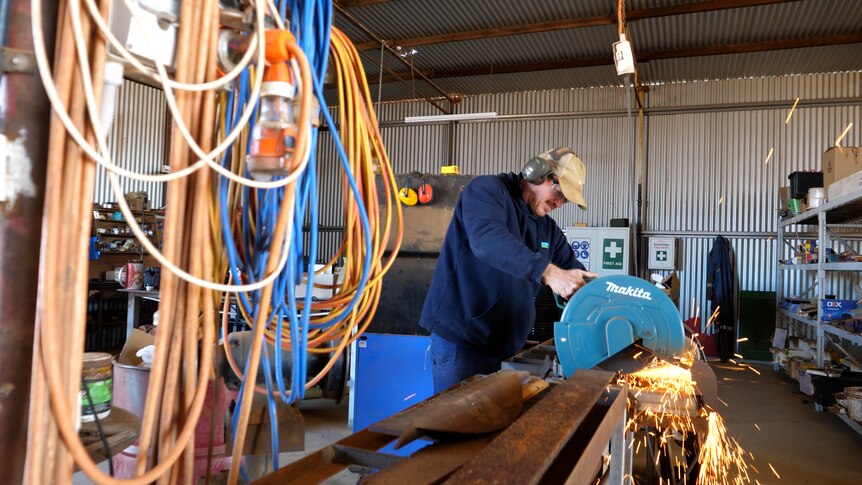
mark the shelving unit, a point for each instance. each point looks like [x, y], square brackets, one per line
[108, 230]
[107, 307]
[844, 212]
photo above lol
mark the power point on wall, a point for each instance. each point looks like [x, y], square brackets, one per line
[624, 59]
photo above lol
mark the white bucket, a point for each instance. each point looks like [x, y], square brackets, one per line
[815, 197]
[854, 403]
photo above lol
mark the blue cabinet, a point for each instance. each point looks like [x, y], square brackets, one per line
[392, 373]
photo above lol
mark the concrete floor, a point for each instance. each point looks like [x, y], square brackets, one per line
[804, 446]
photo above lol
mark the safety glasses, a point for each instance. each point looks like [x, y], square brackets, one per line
[558, 192]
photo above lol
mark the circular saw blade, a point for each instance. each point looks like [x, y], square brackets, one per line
[609, 314]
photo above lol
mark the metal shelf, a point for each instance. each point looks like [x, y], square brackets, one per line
[853, 337]
[853, 424]
[793, 316]
[843, 266]
[844, 211]
[799, 267]
[846, 208]
[808, 217]
[839, 266]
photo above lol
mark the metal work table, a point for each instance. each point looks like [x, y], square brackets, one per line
[560, 437]
[133, 313]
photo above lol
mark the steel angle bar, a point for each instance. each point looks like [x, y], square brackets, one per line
[526, 451]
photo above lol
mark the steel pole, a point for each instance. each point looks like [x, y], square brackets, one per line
[24, 125]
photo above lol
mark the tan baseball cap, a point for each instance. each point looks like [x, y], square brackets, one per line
[570, 171]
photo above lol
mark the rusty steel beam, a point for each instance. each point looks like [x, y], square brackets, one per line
[24, 121]
[324, 463]
[528, 449]
[353, 20]
[358, 3]
[641, 57]
[567, 24]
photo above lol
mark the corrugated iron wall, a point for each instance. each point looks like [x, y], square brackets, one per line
[704, 158]
[712, 172]
[138, 141]
[705, 151]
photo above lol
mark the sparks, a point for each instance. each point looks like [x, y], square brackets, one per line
[719, 453]
[410, 396]
[720, 200]
[768, 156]
[637, 354]
[670, 408]
[756, 426]
[737, 356]
[722, 401]
[754, 370]
[787, 120]
[712, 317]
[843, 134]
[773, 471]
[743, 339]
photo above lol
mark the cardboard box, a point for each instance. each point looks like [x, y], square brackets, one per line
[798, 368]
[671, 286]
[844, 186]
[138, 201]
[806, 386]
[840, 162]
[837, 309]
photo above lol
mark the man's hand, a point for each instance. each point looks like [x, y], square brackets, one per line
[565, 282]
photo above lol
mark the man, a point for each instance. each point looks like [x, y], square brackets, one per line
[501, 246]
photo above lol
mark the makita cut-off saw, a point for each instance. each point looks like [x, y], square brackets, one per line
[613, 319]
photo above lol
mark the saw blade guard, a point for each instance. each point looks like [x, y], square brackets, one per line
[609, 314]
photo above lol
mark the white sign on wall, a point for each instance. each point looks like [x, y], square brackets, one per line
[662, 253]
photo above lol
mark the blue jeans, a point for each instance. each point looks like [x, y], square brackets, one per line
[452, 363]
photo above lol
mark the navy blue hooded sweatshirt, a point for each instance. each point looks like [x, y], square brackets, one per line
[490, 268]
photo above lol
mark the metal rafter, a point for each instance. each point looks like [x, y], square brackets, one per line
[647, 56]
[608, 19]
[390, 50]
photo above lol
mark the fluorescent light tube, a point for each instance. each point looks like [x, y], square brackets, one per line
[453, 117]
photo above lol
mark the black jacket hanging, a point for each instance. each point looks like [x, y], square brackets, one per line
[720, 280]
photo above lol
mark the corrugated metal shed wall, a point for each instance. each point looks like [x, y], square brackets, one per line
[699, 148]
[693, 158]
[137, 141]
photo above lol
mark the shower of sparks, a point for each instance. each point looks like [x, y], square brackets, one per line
[768, 156]
[773, 471]
[668, 413]
[790, 114]
[719, 454]
[843, 134]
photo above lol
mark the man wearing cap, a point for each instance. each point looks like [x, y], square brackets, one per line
[501, 246]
